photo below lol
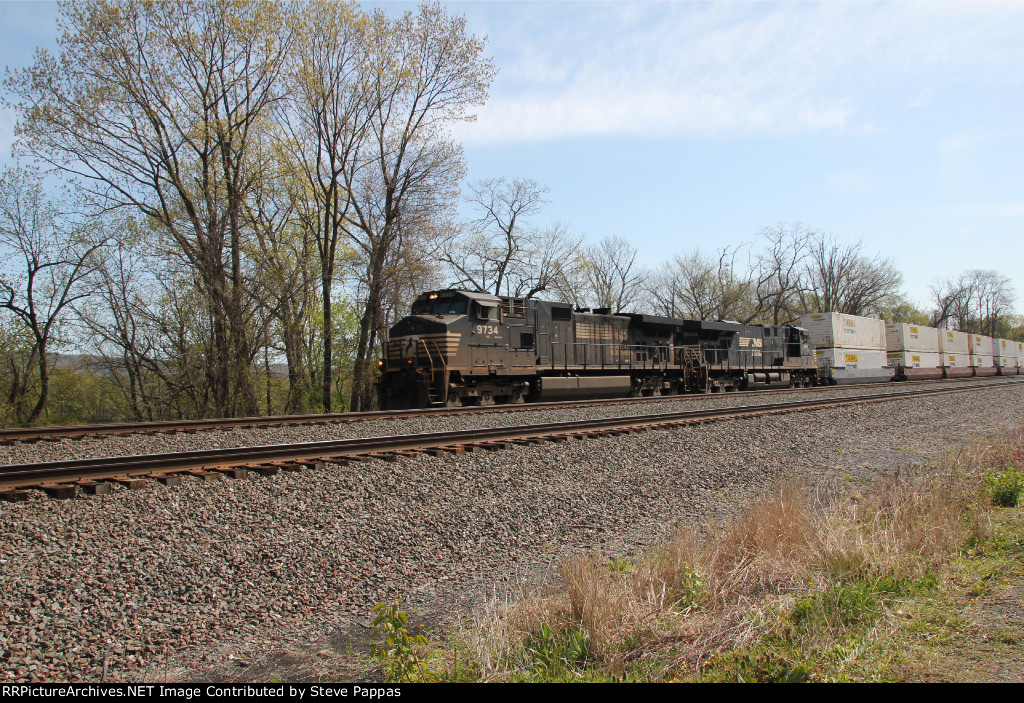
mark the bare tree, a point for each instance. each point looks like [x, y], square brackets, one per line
[49, 258]
[611, 274]
[841, 278]
[502, 251]
[697, 286]
[977, 301]
[778, 271]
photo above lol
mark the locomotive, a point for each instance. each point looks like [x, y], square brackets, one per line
[461, 347]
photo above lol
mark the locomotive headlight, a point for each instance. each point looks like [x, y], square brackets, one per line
[380, 363]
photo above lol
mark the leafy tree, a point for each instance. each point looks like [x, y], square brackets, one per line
[430, 72]
[328, 117]
[157, 107]
[48, 260]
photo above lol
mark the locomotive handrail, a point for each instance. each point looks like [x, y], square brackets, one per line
[443, 387]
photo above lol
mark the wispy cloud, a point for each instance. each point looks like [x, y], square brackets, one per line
[1011, 209]
[856, 180]
[664, 69]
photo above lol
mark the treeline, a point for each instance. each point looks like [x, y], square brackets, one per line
[230, 203]
[253, 183]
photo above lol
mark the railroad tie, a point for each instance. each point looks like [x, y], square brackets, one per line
[166, 479]
[458, 450]
[263, 469]
[229, 471]
[96, 488]
[383, 456]
[204, 475]
[57, 490]
[129, 482]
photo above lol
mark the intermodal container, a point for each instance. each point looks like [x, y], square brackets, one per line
[834, 330]
[914, 359]
[951, 342]
[981, 345]
[956, 361]
[903, 337]
[852, 358]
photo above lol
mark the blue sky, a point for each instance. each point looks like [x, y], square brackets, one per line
[686, 124]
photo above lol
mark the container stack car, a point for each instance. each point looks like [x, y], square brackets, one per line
[981, 355]
[1005, 356]
[956, 355]
[850, 348]
[913, 351]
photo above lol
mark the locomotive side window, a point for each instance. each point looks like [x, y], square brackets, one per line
[487, 312]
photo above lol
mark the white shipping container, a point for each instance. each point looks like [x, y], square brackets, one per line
[833, 330]
[900, 336]
[1005, 348]
[958, 361]
[914, 359]
[1004, 362]
[852, 358]
[951, 342]
[981, 345]
[982, 361]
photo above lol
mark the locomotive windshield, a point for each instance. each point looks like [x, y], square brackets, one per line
[439, 304]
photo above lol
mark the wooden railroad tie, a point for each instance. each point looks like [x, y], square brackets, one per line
[263, 469]
[205, 475]
[96, 488]
[14, 496]
[166, 479]
[57, 490]
[442, 451]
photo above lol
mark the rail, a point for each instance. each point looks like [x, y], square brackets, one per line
[61, 478]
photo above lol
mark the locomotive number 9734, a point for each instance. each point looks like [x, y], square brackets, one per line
[469, 348]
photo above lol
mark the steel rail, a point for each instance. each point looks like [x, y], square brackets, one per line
[53, 473]
[11, 435]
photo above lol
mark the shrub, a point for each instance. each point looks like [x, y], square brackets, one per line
[1005, 487]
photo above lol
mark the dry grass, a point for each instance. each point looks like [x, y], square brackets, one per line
[702, 592]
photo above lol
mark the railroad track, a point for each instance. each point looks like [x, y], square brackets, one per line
[63, 479]
[57, 433]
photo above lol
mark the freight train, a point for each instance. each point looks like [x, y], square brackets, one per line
[468, 348]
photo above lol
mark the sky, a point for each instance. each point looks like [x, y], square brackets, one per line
[684, 125]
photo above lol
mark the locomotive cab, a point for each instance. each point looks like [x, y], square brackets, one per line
[453, 349]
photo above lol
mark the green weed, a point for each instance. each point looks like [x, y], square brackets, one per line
[397, 655]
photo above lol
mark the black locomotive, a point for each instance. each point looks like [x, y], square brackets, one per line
[466, 348]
